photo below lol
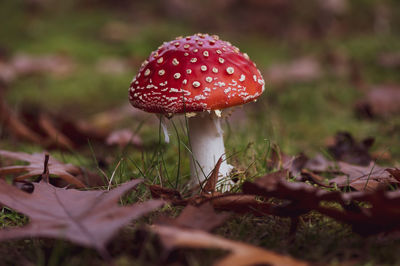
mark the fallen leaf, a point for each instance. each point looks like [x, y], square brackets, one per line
[113, 66]
[15, 125]
[88, 218]
[381, 101]
[234, 202]
[300, 70]
[377, 213]
[346, 148]
[369, 177]
[389, 60]
[167, 194]
[58, 130]
[124, 137]
[117, 31]
[241, 254]
[317, 179]
[211, 182]
[334, 7]
[394, 172]
[48, 130]
[202, 217]
[54, 135]
[7, 73]
[67, 172]
[25, 64]
[108, 119]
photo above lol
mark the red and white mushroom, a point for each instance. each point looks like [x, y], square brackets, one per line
[198, 74]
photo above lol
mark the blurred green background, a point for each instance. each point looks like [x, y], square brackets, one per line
[319, 59]
[329, 66]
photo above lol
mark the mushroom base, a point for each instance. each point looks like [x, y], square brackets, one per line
[207, 144]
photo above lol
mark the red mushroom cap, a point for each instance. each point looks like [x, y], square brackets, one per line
[195, 74]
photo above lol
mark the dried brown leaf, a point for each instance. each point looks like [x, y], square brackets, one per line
[67, 172]
[299, 70]
[108, 119]
[389, 60]
[124, 137]
[54, 135]
[369, 177]
[235, 202]
[202, 217]
[381, 101]
[394, 172]
[241, 254]
[25, 64]
[88, 218]
[211, 183]
[15, 125]
[346, 148]
[378, 213]
[113, 66]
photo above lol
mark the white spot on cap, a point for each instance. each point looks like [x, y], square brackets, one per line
[160, 60]
[189, 115]
[177, 75]
[219, 52]
[184, 81]
[193, 60]
[176, 44]
[175, 62]
[161, 72]
[186, 46]
[246, 56]
[147, 72]
[189, 71]
[203, 68]
[145, 62]
[186, 54]
[221, 60]
[195, 50]
[209, 79]
[206, 54]
[196, 84]
[215, 70]
[255, 77]
[242, 78]
[230, 70]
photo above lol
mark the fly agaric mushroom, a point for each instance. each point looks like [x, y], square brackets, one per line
[198, 75]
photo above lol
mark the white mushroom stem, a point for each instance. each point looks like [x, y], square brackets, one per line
[207, 144]
[164, 129]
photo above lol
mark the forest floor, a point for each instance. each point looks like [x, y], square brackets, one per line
[78, 66]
